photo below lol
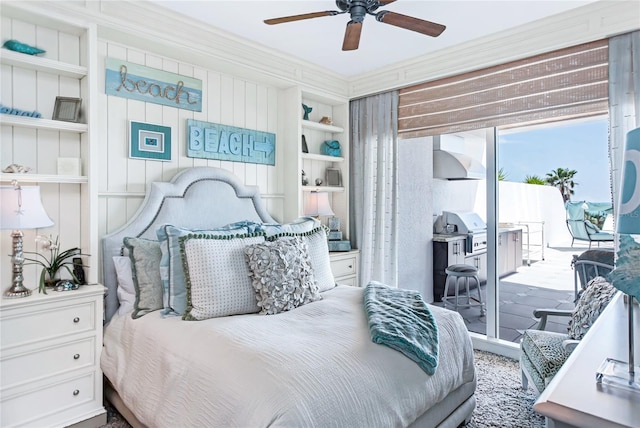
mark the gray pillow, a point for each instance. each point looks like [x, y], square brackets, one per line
[145, 270]
[590, 305]
[282, 275]
[316, 240]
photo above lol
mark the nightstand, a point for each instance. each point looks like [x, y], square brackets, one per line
[50, 359]
[345, 267]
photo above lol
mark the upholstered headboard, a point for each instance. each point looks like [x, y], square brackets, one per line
[197, 198]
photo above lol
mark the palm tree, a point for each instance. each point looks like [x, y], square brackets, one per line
[502, 176]
[563, 179]
[534, 179]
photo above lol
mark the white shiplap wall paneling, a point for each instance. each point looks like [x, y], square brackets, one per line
[226, 100]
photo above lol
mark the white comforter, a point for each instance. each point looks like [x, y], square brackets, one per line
[314, 366]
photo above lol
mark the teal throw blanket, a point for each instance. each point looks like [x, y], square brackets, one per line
[401, 320]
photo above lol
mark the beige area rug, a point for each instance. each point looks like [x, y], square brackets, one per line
[501, 401]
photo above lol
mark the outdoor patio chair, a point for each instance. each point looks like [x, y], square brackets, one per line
[584, 230]
[588, 265]
[581, 228]
[542, 353]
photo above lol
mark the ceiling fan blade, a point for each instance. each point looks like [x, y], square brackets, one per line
[385, 2]
[410, 23]
[300, 17]
[352, 36]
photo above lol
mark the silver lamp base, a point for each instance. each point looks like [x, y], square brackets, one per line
[17, 291]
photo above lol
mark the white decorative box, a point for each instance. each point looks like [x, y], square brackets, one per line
[69, 166]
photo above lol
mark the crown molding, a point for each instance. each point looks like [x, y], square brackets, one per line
[178, 37]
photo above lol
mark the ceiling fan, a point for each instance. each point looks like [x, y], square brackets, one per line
[358, 10]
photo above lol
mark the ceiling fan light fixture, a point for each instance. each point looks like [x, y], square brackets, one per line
[358, 9]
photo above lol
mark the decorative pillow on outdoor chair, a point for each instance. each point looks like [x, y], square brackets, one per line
[591, 228]
[590, 305]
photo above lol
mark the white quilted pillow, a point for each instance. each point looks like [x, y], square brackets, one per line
[316, 240]
[126, 291]
[217, 276]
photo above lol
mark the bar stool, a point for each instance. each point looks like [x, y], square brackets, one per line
[464, 272]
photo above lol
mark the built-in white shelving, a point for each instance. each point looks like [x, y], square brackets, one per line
[315, 164]
[322, 189]
[44, 178]
[32, 62]
[318, 126]
[39, 123]
[322, 158]
[69, 68]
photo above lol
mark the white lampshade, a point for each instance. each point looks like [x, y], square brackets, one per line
[629, 208]
[21, 208]
[317, 204]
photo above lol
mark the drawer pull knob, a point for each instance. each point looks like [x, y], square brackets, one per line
[350, 266]
[76, 320]
[76, 392]
[77, 356]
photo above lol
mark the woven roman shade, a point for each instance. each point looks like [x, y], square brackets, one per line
[559, 85]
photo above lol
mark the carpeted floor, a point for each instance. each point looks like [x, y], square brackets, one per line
[501, 401]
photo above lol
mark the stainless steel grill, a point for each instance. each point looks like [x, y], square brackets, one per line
[471, 225]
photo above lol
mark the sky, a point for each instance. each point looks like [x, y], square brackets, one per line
[582, 146]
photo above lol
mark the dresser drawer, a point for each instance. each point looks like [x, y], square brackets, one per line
[27, 407]
[351, 281]
[20, 368]
[342, 267]
[47, 322]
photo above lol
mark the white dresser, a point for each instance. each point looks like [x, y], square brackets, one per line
[50, 359]
[344, 266]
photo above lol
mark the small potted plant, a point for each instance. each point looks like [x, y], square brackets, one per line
[56, 261]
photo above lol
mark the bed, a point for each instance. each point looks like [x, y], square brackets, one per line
[314, 365]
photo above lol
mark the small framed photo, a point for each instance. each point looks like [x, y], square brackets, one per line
[67, 109]
[148, 141]
[333, 177]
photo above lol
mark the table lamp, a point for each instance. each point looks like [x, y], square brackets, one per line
[317, 204]
[626, 275]
[20, 208]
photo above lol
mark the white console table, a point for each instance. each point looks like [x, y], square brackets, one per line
[573, 398]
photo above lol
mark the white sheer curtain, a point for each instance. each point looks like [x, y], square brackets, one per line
[624, 99]
[374, 186]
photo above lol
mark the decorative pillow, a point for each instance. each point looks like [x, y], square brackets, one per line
[301, 225]
[126, 291]
[171, 271]
[591, 303]
[316, 240]
[217, 275]
[591, 228]
[282, 274]
[145, 268]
